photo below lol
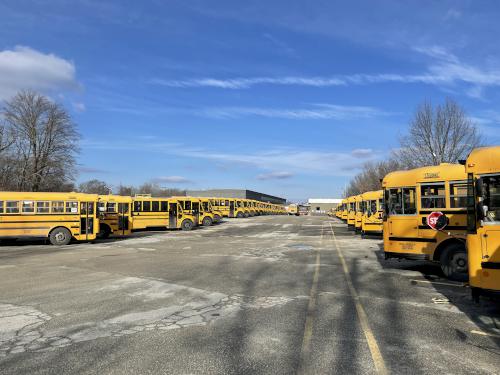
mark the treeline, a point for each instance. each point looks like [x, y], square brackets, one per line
[101, 187]
[39, 144]
[437, 134]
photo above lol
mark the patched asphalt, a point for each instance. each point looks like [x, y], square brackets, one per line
[263, 295]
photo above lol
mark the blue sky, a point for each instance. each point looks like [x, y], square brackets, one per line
[285, 97]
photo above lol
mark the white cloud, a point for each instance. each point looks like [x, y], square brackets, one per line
[26, 68]
[79, 107]
[172, 180]
[274, 176]
[316, 112]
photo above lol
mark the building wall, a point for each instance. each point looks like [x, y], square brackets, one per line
[322, 208]
[237, 193]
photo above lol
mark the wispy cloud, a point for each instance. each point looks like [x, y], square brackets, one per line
[274, 176]
[315, 112]
[91, 170]
[26, 68]
[445, 69]
[172, 180]
[291, 160]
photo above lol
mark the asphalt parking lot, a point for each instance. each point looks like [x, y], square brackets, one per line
[274, 295]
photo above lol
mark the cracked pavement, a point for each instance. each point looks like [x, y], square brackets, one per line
[235, 298]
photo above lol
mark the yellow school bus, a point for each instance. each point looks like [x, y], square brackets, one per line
[373, 212]
[152, 212]
[351, 212]
[410, 196]
[202, 213]
[358, 216]
[60, 217]
[292, 209]
[483, 237]
[115, 215]
[231, 207]
[208, 205]
[345, 209]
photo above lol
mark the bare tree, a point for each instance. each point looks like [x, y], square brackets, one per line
[45, 142]
[440, 134]
[94, 187]
[370, 176]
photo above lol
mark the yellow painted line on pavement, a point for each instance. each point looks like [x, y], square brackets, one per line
[378, 360]
[309, 324]
[482, 333]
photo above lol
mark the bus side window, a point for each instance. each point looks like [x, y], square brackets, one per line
[163, 206]
[12, 207]
[72, 207]
[155, 206]
[57, 207]
[123, 208]
[137, 206]
[1, 207]
[111, 207]
[458, 194]
[28, 207]
[146, 206]
[409, 202]
[433, 196]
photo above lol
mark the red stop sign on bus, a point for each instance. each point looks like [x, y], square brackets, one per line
[436, 220]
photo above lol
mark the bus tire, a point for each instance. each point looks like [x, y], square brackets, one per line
[207, 221]
[454, 262]
[187, 224]
[217, 218]
[246, 214]
[60, 236]
[239, 215]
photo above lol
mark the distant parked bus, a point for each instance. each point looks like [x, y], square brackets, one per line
[373, 209]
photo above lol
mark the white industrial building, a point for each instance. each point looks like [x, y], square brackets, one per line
[321, 206]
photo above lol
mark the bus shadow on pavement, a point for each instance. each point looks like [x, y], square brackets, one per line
[485, 314]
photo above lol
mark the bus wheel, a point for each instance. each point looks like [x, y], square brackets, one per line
[454, 262]
[239, 215]
[60, 236]
[207, 221]
[246, 214]
[217, 218]
[187, 225]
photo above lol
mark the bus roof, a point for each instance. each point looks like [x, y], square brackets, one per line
[371, 195]
[435, 173]
[28, 195]
[484, 160]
